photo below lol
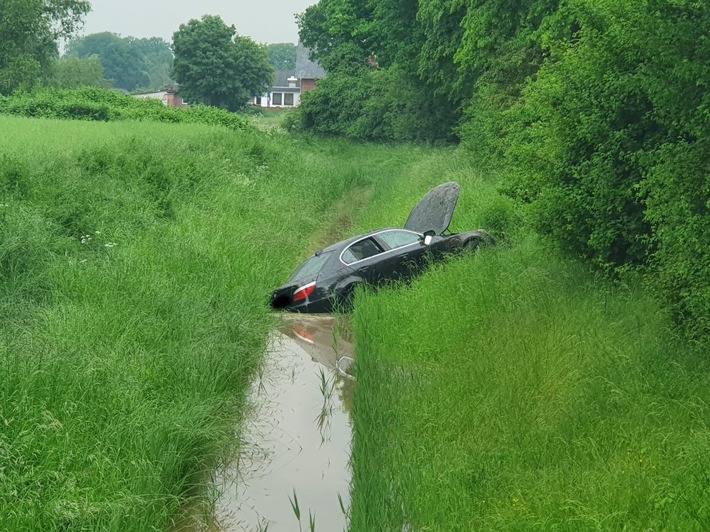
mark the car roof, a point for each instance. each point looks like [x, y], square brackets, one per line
[344, 243]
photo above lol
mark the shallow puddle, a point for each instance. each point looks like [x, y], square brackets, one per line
[295, 447]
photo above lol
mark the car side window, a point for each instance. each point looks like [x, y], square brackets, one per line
[361, 250]
[397, 239]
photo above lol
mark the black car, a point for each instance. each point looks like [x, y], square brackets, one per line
[329, 278]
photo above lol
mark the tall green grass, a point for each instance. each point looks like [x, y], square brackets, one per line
[136, 260]
[512, 390]
[504, 390]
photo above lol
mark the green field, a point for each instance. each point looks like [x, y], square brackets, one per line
[505, 390]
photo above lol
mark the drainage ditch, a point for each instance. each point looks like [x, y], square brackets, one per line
[293, 469]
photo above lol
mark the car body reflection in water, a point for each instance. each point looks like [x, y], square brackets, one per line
[297, 440]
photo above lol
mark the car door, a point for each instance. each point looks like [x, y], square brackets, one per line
[360, 259]
[405, 253]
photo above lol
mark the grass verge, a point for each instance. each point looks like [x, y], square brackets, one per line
[512, 390]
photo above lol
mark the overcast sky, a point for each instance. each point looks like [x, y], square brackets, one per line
[265, 21]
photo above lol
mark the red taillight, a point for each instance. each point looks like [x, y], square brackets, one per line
[303, 292]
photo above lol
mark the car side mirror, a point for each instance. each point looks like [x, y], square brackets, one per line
[428, 237]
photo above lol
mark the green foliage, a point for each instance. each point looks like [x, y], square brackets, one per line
[29, 32]
[121, 63]
[397, 34]
[129, 62]
[339, 34]
[378, 48]
[105, 105]
[75, 72]
[442, 33]
[678, 209]
[600, 139]
[158, 58]
[439, 49]
[377, 105]
[282, 56]
[216, 67]
[503, 47]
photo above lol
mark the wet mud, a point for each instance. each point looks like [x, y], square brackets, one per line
[295, 444]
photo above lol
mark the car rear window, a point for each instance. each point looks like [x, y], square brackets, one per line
[310, 269]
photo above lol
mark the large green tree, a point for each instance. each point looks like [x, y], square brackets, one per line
[158, 60]
[131, 63]
[339, 34]
[217, 67]
[375, 46]
[29, 32]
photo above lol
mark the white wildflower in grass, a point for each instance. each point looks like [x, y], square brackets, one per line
[85, 239]
[110, 244]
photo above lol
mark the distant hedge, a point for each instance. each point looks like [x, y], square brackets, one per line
[104, 105]
[373, 106]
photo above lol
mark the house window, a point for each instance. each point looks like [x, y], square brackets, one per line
[277, 98]
[257, 100]
[288, 98]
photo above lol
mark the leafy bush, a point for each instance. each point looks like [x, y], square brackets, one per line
[376, 105]
[103, 105]
[678, 208]
[606, 144]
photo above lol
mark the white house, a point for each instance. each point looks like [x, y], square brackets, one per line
[290, 84]
[286, 91]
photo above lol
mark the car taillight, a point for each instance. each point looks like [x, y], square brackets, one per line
[303, 292]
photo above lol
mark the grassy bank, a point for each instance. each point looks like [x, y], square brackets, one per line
[507, 390]
[135, 263]
[512, 390]
[133, 276]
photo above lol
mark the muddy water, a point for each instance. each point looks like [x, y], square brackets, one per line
[297, 439]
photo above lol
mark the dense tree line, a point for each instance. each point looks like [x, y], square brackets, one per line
[214, 65]
[128, 62]
[596, 110]
[29, 32]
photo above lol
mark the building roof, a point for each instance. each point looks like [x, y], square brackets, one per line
[282, 78]
[305, 68]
